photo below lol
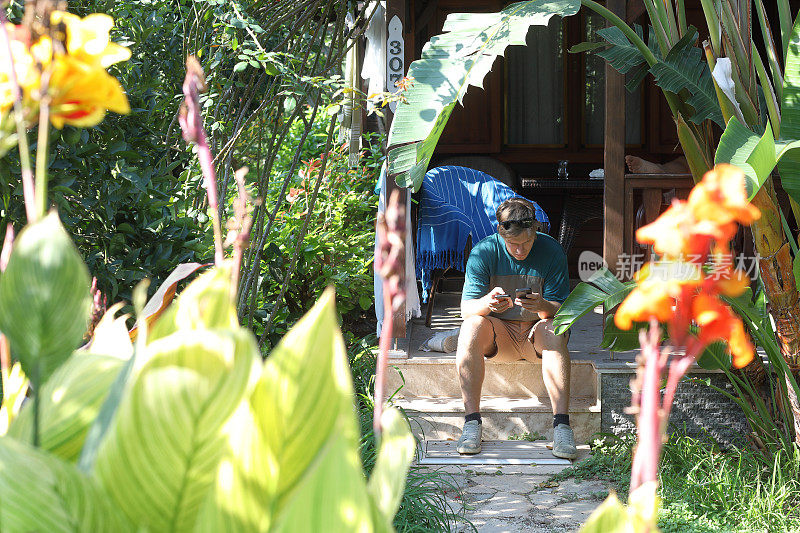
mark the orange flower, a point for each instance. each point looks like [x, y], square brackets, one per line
[677, 233]
[659, 286]
[721, 197]
[714, 207]
[716, 322]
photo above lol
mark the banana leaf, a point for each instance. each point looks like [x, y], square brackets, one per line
[755, 155]
[603, 288]
[789, 167]
[449, 65]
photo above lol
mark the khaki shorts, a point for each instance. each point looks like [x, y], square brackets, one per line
[513, 340]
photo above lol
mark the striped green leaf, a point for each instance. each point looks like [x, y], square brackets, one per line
[44, 298]
[291, 461]
[159, 458]
[41, 493]
[304, 408]
[450, 63]
[71, 399]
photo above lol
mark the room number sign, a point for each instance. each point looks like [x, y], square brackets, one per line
[395, 56]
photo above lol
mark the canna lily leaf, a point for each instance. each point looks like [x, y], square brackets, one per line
[461, 56]
[206, 303]
[38, 492]
[188, 386]
[70, 401]
[44, 298]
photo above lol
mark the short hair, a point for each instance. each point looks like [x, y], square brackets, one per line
[516, 208]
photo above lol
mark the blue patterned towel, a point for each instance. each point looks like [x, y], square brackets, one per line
[456, 202]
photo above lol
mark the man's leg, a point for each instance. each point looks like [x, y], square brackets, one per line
[475, 341]
[555, 364]
[556, 374]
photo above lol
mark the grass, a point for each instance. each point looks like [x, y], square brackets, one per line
[424, 507]
[705, 489]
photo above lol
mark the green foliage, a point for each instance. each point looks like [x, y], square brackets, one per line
[684, 69]
[116, 185]
[338, 248]
[703, 488]
[44, 298]
[206, 436]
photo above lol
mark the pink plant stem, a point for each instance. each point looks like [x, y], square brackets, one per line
[383, 361]
[192, 125]
[649, 426]
[19, 117]
[390, 265]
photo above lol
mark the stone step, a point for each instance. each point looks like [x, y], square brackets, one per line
[435, 376]
[436, 418]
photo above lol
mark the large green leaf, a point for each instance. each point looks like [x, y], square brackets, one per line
[581, 300]
[449, 64]
[603, 288]
[40, 493]
[752, 153]
[685, 69]
[70, 401]
[291, 462]
[44, 298]
[620, 340]
[625, 56]
[715, 356]
[159, 458]
[755, 155]
[241, 499]
[789, 166]
[304, 406]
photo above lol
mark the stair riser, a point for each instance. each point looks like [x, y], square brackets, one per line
[513, 380]
[502, 426]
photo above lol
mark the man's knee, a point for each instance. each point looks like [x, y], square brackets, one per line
[545, 338]
[477, 333]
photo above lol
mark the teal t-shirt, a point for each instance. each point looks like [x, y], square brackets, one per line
[544, 270]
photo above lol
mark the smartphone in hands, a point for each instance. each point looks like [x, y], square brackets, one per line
[522, 293]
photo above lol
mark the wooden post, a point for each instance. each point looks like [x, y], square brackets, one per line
[614, 158]
[398, 8]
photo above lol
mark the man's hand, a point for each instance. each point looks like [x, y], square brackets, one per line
[534, 302]
[498, 305]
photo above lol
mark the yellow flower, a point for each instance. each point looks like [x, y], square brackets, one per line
[79, 87]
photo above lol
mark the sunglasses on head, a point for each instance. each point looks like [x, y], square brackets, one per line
[522, 223]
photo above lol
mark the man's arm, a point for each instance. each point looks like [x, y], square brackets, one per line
[486, 304]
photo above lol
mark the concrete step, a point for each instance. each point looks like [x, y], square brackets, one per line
[440, 418]
[436, 376]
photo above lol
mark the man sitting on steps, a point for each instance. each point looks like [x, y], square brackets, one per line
[501, 325]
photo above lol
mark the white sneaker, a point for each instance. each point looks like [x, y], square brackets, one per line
[564, 442]
[470, 441]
